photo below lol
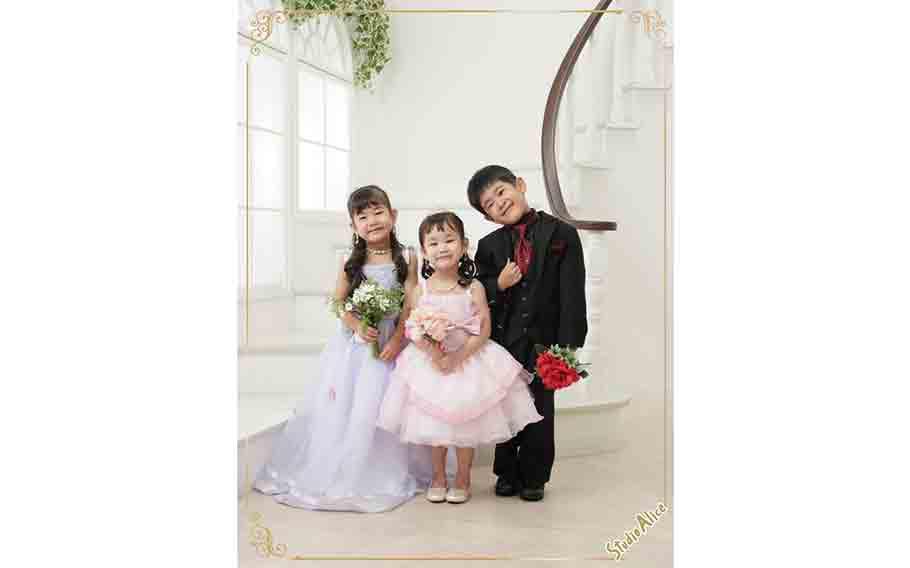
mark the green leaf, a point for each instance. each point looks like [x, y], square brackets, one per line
[370, 41]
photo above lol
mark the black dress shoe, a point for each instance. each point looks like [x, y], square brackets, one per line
[505, 487]
[531, 493]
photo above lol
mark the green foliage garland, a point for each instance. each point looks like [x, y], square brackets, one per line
[370, 31]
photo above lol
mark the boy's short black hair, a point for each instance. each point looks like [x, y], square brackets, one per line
[483, 178]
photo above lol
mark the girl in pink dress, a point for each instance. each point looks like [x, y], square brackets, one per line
[452, 386]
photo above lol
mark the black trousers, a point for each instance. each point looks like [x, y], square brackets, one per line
[528, 457]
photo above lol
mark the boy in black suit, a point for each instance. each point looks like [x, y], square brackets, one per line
[533, 271]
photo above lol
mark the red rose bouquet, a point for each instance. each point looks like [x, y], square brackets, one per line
[558, 367]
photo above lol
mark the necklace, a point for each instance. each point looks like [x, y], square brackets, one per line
[449, 289]
[378, 252]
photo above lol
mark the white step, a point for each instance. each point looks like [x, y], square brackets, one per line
[646, 87]
[278, 369]
[626, 125]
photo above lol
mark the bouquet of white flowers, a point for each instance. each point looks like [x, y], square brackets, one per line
[371, 302]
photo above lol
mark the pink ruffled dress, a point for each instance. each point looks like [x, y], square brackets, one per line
[484, 401]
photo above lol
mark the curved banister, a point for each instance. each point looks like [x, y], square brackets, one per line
[551, 112]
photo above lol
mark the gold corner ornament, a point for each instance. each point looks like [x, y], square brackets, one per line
[261, 539]
[261, 25]
[263, 21]
[652, 23]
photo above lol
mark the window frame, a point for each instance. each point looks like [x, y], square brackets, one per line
[292, 214]
[324, 214]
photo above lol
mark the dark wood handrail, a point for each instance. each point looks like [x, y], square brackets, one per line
[548, 140]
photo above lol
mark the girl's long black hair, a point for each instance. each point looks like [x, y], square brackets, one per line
[360, 199]
[466, 267]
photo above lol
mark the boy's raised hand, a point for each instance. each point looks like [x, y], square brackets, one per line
[509, 276]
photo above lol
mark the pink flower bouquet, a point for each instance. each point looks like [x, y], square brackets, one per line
[428, 324]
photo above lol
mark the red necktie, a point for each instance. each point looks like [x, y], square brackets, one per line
[522, 249]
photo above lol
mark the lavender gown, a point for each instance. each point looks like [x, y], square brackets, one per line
[331, 455]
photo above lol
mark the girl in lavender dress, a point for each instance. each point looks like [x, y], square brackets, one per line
[452, 386]
[331, 455]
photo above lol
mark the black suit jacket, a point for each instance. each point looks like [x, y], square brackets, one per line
[548, 305]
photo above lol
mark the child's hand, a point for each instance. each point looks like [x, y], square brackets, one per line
[448, 363]
[422, 343]
[509, 276]
[441, 365]
[436, 352]
[429, 347]
[392, 348]
[368, 334]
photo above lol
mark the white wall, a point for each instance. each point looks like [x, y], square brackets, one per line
[465, 91]
[632, 194]
[460, 92]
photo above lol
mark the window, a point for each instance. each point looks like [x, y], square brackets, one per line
[298, 144]
[324, 141]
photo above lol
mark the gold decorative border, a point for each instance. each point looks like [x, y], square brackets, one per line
[444, 557]
[248, 241]
[669, 321]
[261, 539]
[262, 24]
[263, 21]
